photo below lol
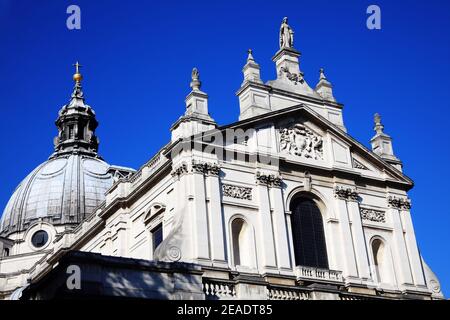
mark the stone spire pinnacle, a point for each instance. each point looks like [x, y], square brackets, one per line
[324, 88]
[197, 100]
[76, 123]
[196, 118]
[382, 144]
[250, 56]
[251, 69]
[322, 74]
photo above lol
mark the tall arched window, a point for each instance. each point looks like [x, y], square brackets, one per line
[242, 243]
[308, 234]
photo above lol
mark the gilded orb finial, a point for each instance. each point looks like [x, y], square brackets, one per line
[77, 77]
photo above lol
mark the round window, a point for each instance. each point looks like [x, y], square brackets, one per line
[39, 239]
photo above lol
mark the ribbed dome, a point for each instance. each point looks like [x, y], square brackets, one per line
[62, 190]
[72, 183]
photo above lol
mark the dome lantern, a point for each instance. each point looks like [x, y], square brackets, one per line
[76, 124]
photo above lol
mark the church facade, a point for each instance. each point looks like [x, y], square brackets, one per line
[282, 204]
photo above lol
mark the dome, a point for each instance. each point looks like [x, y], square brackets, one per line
[61, 191]
[72, 183]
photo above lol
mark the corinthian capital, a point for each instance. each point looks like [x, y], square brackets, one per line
[344, 193]
[269, 180]
[399, 203]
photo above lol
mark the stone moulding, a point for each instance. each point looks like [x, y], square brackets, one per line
[237, 192]
[373, 215]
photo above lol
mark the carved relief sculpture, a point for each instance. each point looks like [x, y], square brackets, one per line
[237, 192]
[373, 215]
[300, 141]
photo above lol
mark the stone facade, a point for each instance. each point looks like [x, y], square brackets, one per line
[231, 214]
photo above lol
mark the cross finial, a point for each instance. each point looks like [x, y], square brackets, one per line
[77, 76]
[77, 67]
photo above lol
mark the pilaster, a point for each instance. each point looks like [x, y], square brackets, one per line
[402, 262]
[348, 253]
[216, 223]
[199, 213]
[265, 222]
[359, 240]
[411, 245]
[280, 229]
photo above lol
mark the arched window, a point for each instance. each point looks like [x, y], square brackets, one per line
[242, 243]
[308, 234]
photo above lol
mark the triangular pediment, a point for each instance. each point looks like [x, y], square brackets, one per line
[303, 136]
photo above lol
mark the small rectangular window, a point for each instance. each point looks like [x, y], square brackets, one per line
[157, 236]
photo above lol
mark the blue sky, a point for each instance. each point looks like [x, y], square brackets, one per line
[138, 55]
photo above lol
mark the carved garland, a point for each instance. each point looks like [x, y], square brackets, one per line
[346, 193]
[237, 192]
[294, 77]
[399, 203]
[300, 141]
[373, 215]
[268, 180]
